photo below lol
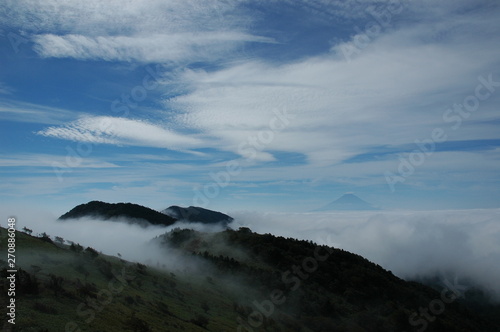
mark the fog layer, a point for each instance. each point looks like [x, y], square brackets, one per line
[457, 244]
[120, 236]
[464, 244]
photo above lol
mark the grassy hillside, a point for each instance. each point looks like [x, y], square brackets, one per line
[63, 287]
[229, 281]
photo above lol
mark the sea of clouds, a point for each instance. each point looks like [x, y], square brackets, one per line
[462, 244]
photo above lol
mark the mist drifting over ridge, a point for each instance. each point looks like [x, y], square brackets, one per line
[462, 244]
[412, 244]
[125, 236]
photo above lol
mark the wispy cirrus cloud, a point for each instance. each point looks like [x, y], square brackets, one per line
[49, 160]
[226, 77]
[4, 89]
[393, 93]
[151, 48]
[120, 131]
[144, 31]
[116, 17]
[19, 111]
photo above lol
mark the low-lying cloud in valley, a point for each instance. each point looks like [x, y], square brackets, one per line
[412, 244]
[122, 236]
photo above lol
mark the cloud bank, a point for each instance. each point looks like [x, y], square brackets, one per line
[462, 244]
[465, 244]
[120, 237]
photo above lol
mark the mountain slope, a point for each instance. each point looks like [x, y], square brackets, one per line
[69, 288]
[348, 202]
[197, 214]
[110, 211]
[322, 288]
[227, 281]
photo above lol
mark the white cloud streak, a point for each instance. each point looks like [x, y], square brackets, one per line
[4, 89]
[151, 48]
[46, 160]
[20, 111]
[395, 91]
[115, 17]
[144, 31]
[120, 131]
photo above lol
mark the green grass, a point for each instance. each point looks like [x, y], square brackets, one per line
[346, 293]
[164, 301]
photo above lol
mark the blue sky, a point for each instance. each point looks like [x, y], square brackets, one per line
[243, 105]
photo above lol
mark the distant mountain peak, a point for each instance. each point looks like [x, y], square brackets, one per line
[112, 211]
[348, 202]
[197, 214]
[138, 214]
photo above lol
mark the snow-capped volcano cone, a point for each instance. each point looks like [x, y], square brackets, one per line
[348, 202]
